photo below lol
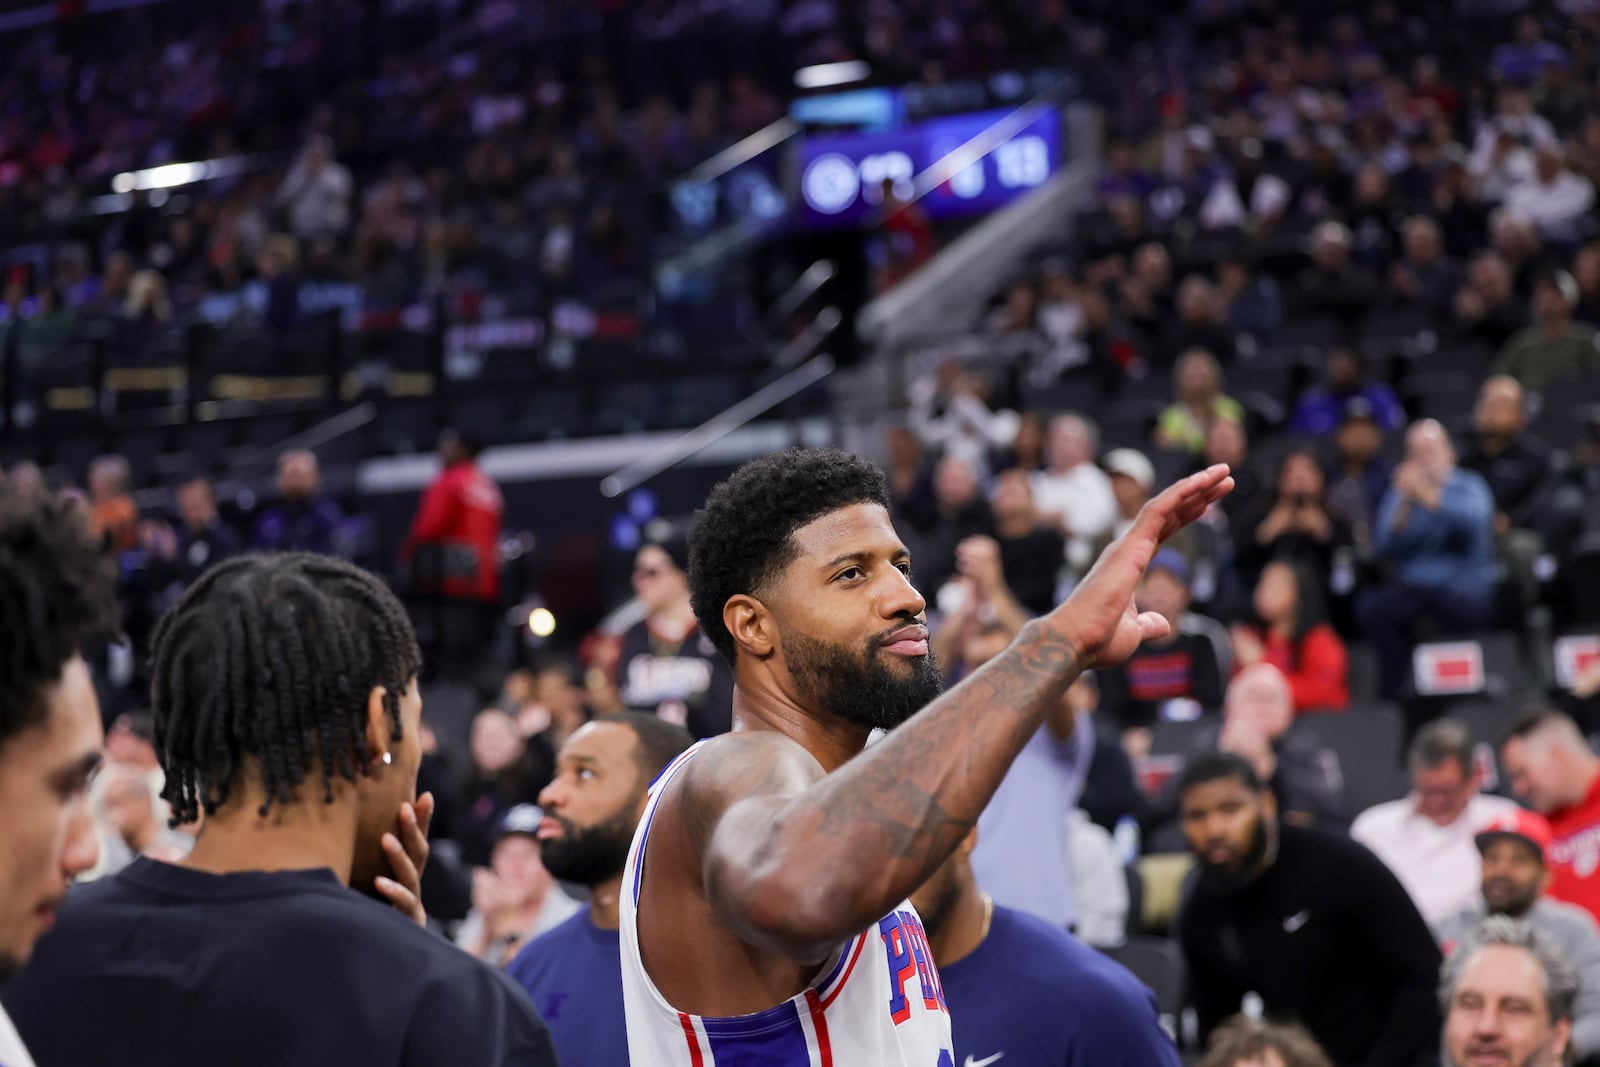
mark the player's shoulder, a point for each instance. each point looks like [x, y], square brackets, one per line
[734, 765]
[554, 944]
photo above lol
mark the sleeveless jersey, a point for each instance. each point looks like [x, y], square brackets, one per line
[878, 1002]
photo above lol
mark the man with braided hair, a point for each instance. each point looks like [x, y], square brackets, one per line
[286, 710]
[57, 591]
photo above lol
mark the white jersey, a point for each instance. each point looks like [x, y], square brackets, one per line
[877, 1003]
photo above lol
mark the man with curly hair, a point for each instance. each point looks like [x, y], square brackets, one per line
[57, 591]
[764, 912]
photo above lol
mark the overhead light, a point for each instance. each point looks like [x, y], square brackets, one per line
[827, 75]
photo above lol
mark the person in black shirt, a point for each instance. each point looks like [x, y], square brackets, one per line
[287, 712]
[57, 591]
[1514, 462]
[1312, 923]
[666, 666]
[1031, 553]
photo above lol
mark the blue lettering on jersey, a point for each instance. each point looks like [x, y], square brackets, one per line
[906, 945]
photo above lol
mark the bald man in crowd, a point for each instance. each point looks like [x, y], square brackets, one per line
[1552, 770]
[1435, 529]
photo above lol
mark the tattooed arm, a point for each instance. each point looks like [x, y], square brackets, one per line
[794, 861]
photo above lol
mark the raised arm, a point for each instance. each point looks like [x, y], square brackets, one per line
[813, 859]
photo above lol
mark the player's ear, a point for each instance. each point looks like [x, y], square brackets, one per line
[751, 626]
[378, 733]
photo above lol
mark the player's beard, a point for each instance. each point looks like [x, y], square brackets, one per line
[861, 688]
[588, 855]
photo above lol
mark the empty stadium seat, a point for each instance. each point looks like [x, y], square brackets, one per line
[1158, 963]
[1367, 739]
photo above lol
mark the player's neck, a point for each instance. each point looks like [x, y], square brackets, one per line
[291, 837]
[603, 903]
[963, 930]
[830, 740]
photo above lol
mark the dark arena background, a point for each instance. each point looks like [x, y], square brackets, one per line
[485, 296]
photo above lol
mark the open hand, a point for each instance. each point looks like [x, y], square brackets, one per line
[1100, 619]
[407, 853]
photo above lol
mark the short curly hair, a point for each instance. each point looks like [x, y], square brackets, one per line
[58, 592]
[744, 535]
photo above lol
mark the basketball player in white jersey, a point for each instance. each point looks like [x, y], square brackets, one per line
[764, 912]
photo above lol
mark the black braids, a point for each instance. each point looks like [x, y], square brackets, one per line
[57, 593]
[265, 665]
[289, 747]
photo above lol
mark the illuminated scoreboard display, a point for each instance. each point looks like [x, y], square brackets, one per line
[841, 175]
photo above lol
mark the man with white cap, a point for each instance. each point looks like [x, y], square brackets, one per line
[1514, 846]
[1133, 480]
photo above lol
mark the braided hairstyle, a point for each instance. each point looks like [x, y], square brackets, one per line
[57, 591]
[268, 661]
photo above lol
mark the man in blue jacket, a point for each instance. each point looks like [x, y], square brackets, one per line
[1435, 530]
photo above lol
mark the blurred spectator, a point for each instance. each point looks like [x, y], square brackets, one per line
[1436, 528]
[1321, 408]
[507, 770]
[1424, 276]
[112, 512]
[1485, 307]
[453, 555]
[1293, 635]
[950, 413]
[1512, 462]
[1030, 552]
[1427, 838]
[1071, 491]
[1257, 713]
[201, 540]
[1514, 877]
[1133, 480]
[1520, 61]
[1374, 220]
[1269, 897]
[1555, 348]
[303, 520]
[1242, 1042]
[1252, 200]
[1517, 468]
[1550, 768]
[910, 480]
[1180, 675]
[134, 811]
[1332, 284]
[667, 666]
[316, 192]
[1360, 474]
[25, 477]
[1201, 322]
[962, 513]
[1252, 301]
[1554, 199]
[1197, 384]
[1508, 996]
[1295, 524]
[514, 899]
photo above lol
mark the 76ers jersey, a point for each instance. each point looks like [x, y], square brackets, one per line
[878, 1002]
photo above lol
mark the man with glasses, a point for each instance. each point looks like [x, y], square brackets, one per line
[1426, 837]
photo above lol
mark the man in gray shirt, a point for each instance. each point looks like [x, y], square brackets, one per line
[1514, 878]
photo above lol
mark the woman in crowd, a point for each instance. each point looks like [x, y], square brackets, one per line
[1292, 634]
[1197, 381]
[1295, 524]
